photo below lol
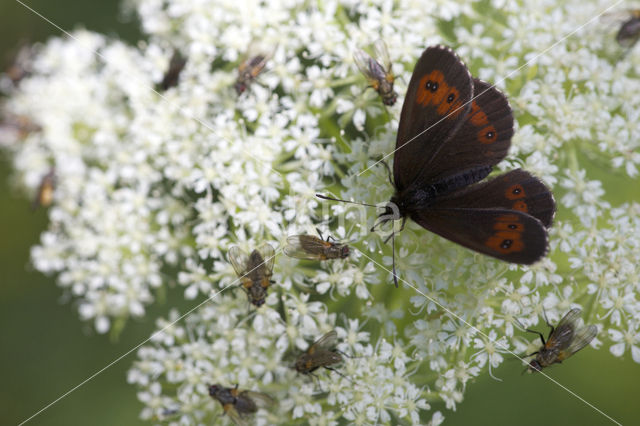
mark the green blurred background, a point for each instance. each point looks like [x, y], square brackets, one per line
[46, 351]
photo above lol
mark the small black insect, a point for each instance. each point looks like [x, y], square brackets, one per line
[254, 271]
[249, 70]
[313, 248]
[378, 71]
[238, 404]
[322, 353]
[172, 75]
[44, 196]
[563, 341]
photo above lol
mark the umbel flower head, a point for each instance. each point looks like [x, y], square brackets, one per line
[154, 182]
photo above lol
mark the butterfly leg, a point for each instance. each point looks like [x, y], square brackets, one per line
[386, 166]
[393, 248]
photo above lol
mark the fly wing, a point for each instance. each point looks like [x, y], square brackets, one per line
[262, 400]
[238, 259]
[305, 247]
[235, 417]
[268, 255]
[565, 331]
[582, 337]
[363, 61]
[570, 318]
[382, 54]
[326, 342]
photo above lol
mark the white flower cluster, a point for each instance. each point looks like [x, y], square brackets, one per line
[152, 188]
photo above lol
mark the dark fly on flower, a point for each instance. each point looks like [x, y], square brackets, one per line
[629, 32]
[172, 75]
[313, 248]
[563, 341]
[249, 70]
[378, 71]
[44, 196]
[239, 404]
[628, 23]
[254, 271]
[322, 353]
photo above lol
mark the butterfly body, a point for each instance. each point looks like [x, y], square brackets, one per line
[419, 197]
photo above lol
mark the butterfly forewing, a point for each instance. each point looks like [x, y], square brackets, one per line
[436, 105]
[483, 140]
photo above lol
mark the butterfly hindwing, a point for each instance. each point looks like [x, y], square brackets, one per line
[516, 190]
[482, 140]
[435, 106]
[508, 235]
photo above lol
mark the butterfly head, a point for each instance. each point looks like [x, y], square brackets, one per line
[392, 211]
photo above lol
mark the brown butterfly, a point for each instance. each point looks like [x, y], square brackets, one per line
[313, 248]
[378, 71]
[453, 130]
[239, 404]
[254, 271]
[564, 340]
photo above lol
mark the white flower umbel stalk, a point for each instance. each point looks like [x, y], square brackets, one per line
[152, 188]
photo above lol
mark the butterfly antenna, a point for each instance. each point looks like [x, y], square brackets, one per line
[393, 248]
[325, 197]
